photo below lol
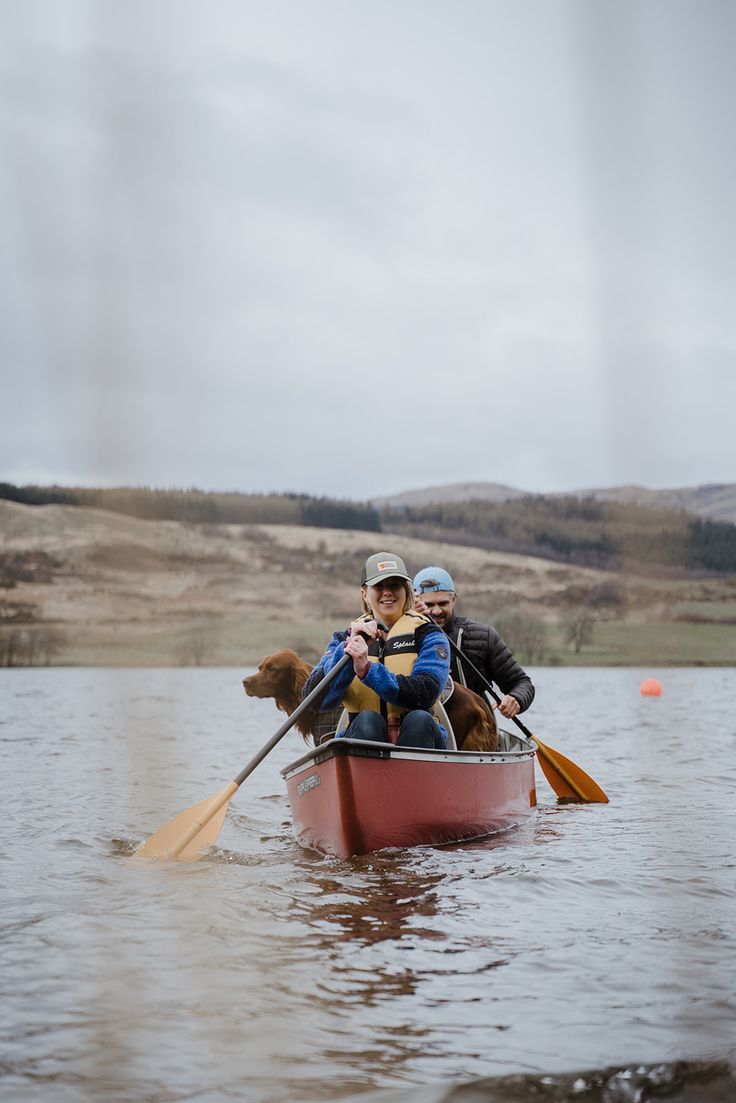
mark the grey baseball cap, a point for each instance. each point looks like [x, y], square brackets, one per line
[383, 565]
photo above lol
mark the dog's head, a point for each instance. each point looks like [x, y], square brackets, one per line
[280, 676]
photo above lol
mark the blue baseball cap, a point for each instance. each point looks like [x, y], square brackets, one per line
[431, 579]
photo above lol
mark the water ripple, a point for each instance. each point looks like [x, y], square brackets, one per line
[597, 937]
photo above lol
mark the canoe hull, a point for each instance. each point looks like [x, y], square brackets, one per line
[351, 797]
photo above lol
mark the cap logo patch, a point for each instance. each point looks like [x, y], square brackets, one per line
[387, 565]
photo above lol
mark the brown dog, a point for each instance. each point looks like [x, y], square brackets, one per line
[473, 720]
[283, 674]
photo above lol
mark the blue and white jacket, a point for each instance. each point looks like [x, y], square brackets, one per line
[418, 690]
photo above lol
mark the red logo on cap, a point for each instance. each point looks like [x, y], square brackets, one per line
[388, 565]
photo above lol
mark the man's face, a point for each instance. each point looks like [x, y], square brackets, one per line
[437, 604]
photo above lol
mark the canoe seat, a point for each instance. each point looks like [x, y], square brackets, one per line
[438, 710]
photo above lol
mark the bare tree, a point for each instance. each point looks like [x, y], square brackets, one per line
[579, 629]
[30, 647]
[196, 648]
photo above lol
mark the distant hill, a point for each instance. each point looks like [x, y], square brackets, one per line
[453, 492]
[85, 586]
[92, 586]
[624, 528]
[714, 501]
[203, 507]
[619, 536]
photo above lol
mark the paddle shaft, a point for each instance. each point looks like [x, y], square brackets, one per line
[289, 723]
[196, 828]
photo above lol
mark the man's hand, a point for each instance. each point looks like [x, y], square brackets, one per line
[420, 605]
[508, 706]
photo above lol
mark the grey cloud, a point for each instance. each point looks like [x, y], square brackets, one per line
[224, 255]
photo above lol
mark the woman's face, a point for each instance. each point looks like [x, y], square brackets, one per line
[387, 599]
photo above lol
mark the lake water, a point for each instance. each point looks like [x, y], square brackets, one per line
[590, 954]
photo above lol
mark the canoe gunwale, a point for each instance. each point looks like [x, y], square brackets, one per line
[363, 748]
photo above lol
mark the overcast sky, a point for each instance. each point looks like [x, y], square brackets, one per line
[352, 248]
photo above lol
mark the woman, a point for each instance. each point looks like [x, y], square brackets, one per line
[401, 662]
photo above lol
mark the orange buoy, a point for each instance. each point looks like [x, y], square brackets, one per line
[650, 687]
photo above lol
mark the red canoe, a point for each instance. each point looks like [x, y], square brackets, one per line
[350, 796]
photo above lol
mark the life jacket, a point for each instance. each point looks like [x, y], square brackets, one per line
[398, 653]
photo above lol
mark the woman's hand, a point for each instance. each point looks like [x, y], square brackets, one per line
[364, 628]
[357, 647]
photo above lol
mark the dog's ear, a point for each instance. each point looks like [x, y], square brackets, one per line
[296, 689]
[299, 674]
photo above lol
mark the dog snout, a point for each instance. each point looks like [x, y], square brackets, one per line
[254, 685]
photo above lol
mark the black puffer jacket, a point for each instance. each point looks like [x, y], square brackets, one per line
[486, 650]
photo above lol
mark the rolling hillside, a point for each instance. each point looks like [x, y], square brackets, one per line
[93, 587]
[589, 531]
[716, 502]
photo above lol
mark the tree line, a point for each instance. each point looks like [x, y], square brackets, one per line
[586, 532]
[204, 507]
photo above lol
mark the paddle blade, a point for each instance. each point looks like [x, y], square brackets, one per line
[566, 778]
[190, 833]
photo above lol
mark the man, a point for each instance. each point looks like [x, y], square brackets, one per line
[435, 596]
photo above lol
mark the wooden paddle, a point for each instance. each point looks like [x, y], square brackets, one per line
[567, 779]
[194, 830]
